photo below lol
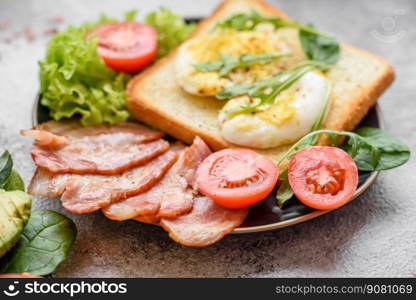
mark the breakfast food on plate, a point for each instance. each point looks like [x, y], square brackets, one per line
[165, 98]
[285, 121]
[249, 77]
[88, 193]
[162, 190]
[126, 46]
[227, 52]
[76, 82]
[205, 224]
[236, 178]
[323, 177]
[97, 149]
[172, 196]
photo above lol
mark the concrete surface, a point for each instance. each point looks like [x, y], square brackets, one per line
[375, 235]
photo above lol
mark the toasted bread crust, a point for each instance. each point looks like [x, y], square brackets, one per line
[141, 105]
[367, 98]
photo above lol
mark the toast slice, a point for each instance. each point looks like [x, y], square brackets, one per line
[155, 98]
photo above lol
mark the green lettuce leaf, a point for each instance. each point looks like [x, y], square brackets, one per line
[75, 81]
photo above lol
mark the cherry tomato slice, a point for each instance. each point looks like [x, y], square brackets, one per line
[126, 47]
[236, 178]
[323, 177]
[19, 275]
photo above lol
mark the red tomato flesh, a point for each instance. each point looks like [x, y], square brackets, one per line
[126, 47]
[323, 177]
[236, 178]
[19, 275]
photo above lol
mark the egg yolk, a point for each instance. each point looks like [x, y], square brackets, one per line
[233, 43]
[281, 111]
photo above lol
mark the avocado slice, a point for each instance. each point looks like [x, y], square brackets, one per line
[14, 213]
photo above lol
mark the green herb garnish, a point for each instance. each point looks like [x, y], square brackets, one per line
[317, 45]
[319, 48]
[267, 90]
[285, 192]
[227, 63]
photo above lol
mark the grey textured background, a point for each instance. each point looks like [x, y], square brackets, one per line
[375, 235]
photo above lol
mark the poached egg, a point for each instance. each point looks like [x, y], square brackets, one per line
[208, 47]
[290, 117]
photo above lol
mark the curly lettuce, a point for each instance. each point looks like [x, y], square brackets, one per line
[74, 80]
[172, 29]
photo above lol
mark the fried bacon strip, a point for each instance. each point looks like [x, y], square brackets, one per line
[171, 197]
[105, 150]
[205, 224]
[88, 193]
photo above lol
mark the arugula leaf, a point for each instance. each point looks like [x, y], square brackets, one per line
[277, 84]
[249, 21]
[285, 192]
[318, 122]
[209, 66]
[44, 244]
[6, 165]
[228, 63]
[319, 48]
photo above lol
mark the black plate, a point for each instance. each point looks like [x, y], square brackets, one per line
[266, 215]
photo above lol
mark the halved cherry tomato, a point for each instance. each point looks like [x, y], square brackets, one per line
[126, 47]
[236, 178]
[323, 177]
[19, 275]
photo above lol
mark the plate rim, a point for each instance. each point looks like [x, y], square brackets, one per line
[281, 224]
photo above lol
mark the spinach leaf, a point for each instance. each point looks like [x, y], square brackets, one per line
[372, 149]
[6, 165]
[284, 192]
[44, 244]
[14, 182]
[319, 48]
[228, 63]
[377, 150]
